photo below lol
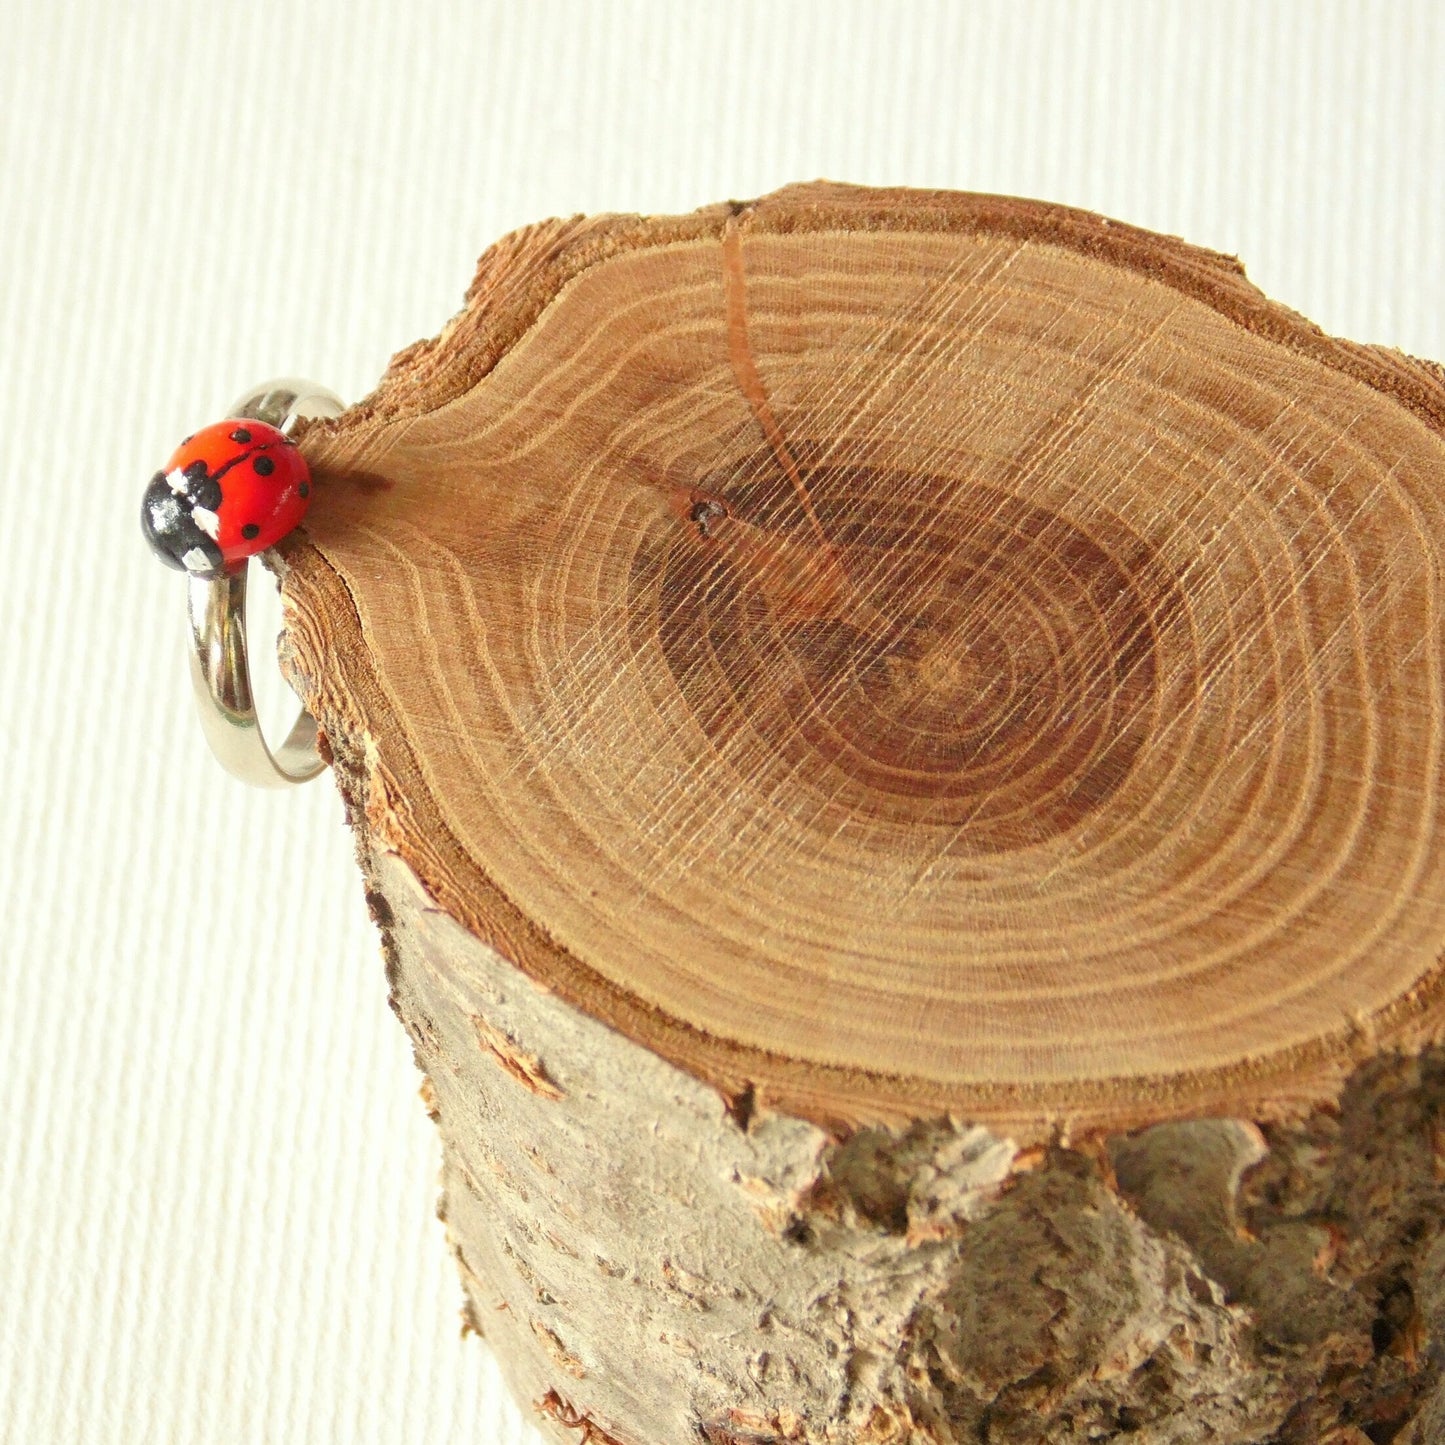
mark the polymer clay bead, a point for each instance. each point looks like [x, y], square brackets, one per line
[229, 491]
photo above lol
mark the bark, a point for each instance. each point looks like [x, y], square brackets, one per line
[654, 1265]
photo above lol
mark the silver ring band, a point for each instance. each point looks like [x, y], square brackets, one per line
[219, 666]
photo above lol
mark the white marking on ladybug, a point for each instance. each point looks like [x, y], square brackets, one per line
[165, 513]
[177, 478]
[196, 560]
[207, 521]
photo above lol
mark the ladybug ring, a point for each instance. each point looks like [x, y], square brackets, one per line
[230, 491]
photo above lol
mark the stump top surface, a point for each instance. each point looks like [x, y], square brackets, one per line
[904, 652]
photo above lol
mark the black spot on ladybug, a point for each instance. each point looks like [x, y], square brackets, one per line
[264, 466]
[194, 471]
[241, 435]
[304, 489]
[250, 530]
[206, 493]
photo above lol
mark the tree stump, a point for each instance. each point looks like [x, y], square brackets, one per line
[895, 738]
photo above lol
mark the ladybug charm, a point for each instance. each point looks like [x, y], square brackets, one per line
[231, 490]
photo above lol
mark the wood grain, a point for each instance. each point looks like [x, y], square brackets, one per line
[900, 653]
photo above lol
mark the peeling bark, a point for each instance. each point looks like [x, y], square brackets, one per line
[653, 1272]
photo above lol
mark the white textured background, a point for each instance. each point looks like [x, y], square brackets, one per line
[216, 1180]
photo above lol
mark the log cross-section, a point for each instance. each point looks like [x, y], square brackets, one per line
[897, 741]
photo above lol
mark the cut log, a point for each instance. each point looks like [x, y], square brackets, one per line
[895, 738]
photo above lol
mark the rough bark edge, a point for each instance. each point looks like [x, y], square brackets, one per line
[516, 280]
[1298, 1276]
[522, 274]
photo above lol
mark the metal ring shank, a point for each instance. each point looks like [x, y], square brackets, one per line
[219, 665]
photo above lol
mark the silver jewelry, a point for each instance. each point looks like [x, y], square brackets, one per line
[220, 667]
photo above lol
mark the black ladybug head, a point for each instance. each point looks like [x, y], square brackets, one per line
[167, 517]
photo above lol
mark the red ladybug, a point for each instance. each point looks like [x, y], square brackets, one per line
[230, 491]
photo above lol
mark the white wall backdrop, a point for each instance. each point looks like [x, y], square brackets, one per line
[216, 1180]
